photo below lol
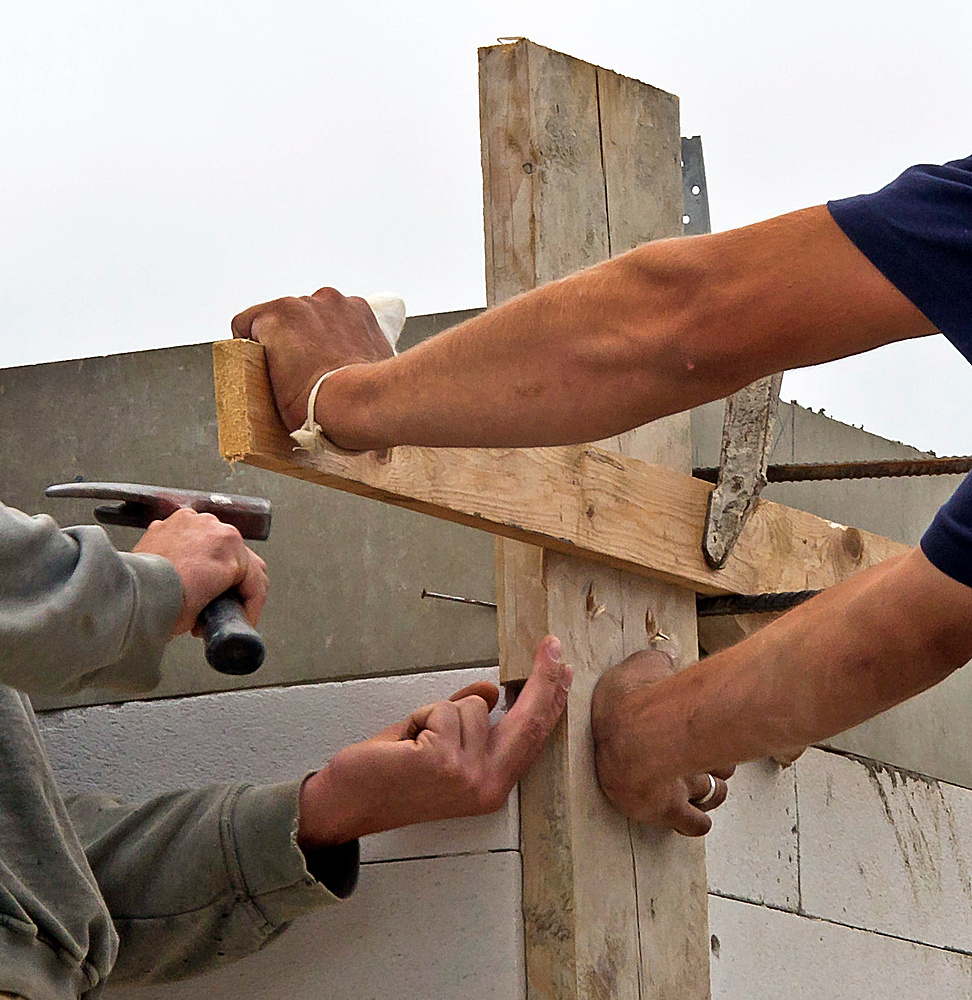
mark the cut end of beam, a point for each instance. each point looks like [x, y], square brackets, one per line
[247, 414]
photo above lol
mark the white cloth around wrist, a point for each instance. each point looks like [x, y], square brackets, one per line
[389, 310]
[311, 437]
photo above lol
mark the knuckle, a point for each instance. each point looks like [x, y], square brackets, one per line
[491, 797]
[282, 311]
[476, 703]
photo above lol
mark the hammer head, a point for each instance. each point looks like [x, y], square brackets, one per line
[140, 505]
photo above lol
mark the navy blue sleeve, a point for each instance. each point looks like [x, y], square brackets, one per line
[948, 541]
[917, 232]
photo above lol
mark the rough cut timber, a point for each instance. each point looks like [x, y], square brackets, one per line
[580, 163]
[580, 500]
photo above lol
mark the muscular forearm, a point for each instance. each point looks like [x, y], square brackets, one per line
[865, 645]
[658, 330]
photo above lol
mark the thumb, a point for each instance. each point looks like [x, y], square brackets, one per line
[522, 732]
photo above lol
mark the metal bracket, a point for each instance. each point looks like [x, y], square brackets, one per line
[750, 412]
[746, 438]
[695, 196]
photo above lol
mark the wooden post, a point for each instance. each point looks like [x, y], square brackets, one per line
[580, 163]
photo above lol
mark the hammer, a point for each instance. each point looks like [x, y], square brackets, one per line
[232, 644]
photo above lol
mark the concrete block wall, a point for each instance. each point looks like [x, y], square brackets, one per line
[840, 878]
[437, 911]
[836, 877]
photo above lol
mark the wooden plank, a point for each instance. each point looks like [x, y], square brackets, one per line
[670, 870]
[601, 919]
[541, 143]
[580, 904]
[580, 500]
[541, 155]
[641, 152]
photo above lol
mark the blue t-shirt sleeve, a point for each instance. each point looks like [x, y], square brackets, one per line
[948, 541]
[917, 231]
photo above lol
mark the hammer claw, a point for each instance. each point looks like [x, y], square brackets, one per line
[130, 514]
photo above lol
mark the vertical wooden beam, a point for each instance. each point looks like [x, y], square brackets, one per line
[580, 163]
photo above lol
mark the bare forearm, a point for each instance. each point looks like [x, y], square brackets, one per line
[661, 329]
[865, 645]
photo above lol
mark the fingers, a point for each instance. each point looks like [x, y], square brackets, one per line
[699, 787]
[408, 729]
[440, 718]
[474, 724]
[518, 738]
[242, 323]
[253, 586]
[488, 692]
[394, 733]
[690, 821]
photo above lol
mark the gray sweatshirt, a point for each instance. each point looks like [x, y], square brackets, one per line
[148, 892]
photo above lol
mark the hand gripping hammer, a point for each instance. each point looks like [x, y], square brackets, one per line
[232, 644]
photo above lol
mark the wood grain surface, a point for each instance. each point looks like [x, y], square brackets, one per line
[579, 499]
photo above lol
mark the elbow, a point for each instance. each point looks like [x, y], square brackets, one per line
[701, 338]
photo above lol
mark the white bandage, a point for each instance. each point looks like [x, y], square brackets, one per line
[389, 310]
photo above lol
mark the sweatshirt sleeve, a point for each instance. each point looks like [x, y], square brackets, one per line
[75, 612]
[199, 878]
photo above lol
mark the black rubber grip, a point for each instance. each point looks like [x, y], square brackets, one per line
[233, 645]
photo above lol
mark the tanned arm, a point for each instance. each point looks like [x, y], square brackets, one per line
[658, 330]
[859, 648]
[663, 328]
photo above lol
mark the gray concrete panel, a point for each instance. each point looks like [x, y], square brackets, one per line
[764, 954]
[432, 928]
[346, 572]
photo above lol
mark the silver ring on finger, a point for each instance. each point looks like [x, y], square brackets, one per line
[709, 795]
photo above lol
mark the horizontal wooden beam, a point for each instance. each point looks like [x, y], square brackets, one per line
[578, 499]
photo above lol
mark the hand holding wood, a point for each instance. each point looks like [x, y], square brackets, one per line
[307, 336]
[445, 760]
[626, 762]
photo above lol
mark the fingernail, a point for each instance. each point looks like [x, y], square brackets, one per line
[552, 649]
[566, 677]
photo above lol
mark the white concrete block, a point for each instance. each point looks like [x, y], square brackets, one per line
[885, 850]
[751, 852]
[764, 954]
[140, 749]
[442, 929]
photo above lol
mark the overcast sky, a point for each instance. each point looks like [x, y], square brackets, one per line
[165, 164]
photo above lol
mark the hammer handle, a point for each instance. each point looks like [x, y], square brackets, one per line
[233, 645]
